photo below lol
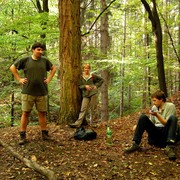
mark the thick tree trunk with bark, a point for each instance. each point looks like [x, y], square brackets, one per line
[70, 60]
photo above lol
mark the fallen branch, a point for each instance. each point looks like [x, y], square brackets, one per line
[31, 164]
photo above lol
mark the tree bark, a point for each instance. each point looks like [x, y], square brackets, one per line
[70, 60]
[31, 164]
[105, 72]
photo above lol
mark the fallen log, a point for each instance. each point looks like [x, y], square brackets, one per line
[31, 164]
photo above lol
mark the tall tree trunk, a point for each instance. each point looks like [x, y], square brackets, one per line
[70, 59]
[105, 73]
[146, 77]
[169, 76]
[13, 92]
[123, 67]
[156, 28]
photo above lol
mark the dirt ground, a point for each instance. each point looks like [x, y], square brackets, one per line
[71, 159]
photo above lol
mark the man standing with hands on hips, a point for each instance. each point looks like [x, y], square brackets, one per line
[34, 87]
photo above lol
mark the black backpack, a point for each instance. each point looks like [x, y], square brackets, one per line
[84, 134]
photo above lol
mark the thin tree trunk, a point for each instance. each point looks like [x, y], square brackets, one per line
[105, 72]
[156, 28]
[12, 108]
[123, 67]
[146, 77]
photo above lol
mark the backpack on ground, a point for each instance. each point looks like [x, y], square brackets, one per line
[84, 134]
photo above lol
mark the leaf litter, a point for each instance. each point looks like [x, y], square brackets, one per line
[72, 159]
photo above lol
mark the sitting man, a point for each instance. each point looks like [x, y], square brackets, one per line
[162, 126]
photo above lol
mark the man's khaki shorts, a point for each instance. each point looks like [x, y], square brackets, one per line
[28, 102]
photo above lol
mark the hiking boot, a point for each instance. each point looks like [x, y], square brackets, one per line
[22, 140]
[45, 135]
[134, 147]
[77, 124]
[170, 152]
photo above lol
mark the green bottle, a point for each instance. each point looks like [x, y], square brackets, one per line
[109, 136]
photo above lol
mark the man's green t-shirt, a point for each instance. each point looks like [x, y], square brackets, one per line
[35, 71]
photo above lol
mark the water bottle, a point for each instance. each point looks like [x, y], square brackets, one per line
[109, 136]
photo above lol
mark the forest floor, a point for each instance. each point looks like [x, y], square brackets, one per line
[72, 159]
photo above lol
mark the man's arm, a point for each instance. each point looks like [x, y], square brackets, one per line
[98, 81]
[51, 74]
[160, 118]
[170, 110]
[14, 71]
